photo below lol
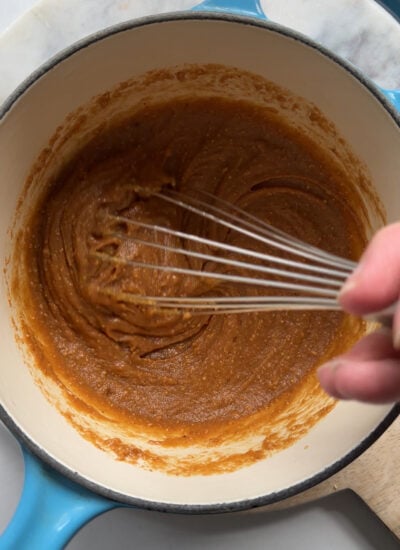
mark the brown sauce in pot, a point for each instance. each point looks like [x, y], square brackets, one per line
[185, 376]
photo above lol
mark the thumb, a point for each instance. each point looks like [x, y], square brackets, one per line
[375, 284]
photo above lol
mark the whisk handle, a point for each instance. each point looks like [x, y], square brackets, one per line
[384, 317]
[249, 8]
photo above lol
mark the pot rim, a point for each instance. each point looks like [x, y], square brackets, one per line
[97, 36]
[222, 507]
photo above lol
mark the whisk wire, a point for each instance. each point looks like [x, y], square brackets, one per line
[220, 276]
[226, 261]
[230, 248]
[265, 239]
[243, 304]
[233, 263]
[269, 230]
[311, 282]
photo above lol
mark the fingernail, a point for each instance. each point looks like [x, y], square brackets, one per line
[351, 282]
[331, 366]
[326, 375]
[348, 286]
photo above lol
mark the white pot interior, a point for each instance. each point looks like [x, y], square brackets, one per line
[26, 128]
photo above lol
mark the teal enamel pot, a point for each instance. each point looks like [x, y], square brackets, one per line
[68, 480]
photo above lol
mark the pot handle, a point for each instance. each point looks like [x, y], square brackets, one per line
[51, 510]
[393, 96]
[249, 8]
[253, 8]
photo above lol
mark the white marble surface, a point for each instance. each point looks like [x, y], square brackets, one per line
[10, 10]
[362, 31]
[32, 31]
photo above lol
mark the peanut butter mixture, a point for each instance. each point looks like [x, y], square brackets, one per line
[159, 368]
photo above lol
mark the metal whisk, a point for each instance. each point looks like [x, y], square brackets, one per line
[310, 277]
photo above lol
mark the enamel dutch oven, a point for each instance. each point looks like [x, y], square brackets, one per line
[67, 480]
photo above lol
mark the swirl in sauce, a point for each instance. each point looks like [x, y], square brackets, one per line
[188, 377]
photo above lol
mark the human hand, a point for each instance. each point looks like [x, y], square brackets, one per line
[370, 371]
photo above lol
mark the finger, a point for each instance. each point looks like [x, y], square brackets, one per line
[369, 381]
[367, 372]
[375, 284]
[375, 346]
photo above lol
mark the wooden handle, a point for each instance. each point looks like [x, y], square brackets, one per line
[374, 476]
